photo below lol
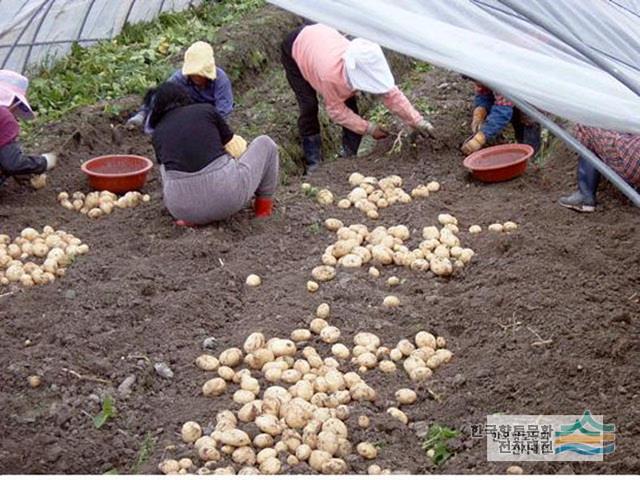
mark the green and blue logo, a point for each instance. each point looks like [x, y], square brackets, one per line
[585, 436]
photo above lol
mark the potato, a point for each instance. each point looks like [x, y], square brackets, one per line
[14, 273]
[253, 280]
[265, 454]
[391, 301]
[399, 231]
[362, 392]
[253, 342]
[356, 179]
[475, 229]
[207, 362]
[303, 452]
[466, 255]
[244, 456]
[335, 426]
[406, 396]
[356, 195]
[323, 273]
[446, 219]
[425, 339]
[364, 421]
[191, 431]
[269, 424]
[330, 334]
[271, 466]
[515, 470]
[496, 227]
[169, 466]
[290, 376]
[301, 335]
[243, 397]
[281, 347]
[420, 374]
[387, 366]
[323, 311]
[441, 342]
[367, 359]
[509, 226]
[367, 450]
[214, 387]
[413, 362]
[324, 197]
[374, 470]
[393, 281]
[250, 411]
[234, 437]
[344, 203]
[318, 458]
[430, 233]
[328, 441]
[433, 186]
[333, 224]
[29, 234]
[231, 357]
[263, 440]
[350, 261]
[398, 414]
[441, 266]
[334, 466]
[340, 351]
[312, 286]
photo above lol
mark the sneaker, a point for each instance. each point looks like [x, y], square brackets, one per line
[578, 202]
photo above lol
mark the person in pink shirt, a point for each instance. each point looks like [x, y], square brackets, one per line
[13, 103]
[319, 60]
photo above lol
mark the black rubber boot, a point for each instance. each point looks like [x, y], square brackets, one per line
[584, 200]
[312, 147]
[350, 143]
[531, 136]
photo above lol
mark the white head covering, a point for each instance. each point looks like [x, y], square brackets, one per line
[367, 69]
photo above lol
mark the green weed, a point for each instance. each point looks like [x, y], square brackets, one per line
[437, 440]
[108, 411]
[145, 453]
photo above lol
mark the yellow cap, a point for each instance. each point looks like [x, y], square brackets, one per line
[198, 60]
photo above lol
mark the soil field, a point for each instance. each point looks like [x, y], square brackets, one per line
[543, 321]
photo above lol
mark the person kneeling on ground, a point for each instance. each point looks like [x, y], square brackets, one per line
[205, 83]
[208, 173]
[620, 151]
[492, 113]
[13, 103]
[318, 59]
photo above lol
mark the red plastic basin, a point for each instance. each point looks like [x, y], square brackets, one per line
[117, 173]
[499, 163]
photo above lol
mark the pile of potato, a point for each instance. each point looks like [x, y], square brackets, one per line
[97, 204]
[35, 258]
[506, 227]
[298, 401]
[356, 246]
[370, 195]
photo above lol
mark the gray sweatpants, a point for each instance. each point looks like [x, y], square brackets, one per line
[223, 187]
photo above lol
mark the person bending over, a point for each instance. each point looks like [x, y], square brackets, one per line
[621, 151]
[319, 60]
[205, 83]
[13, 104]
[208, 173]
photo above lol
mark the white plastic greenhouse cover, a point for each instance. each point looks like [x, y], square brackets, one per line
[33, 31]
[530, 49]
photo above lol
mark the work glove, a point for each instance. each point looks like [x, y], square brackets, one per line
[376, 131]
[479, 116]
[474, 143]
[236, 146]
[52, 160]
[424, 129]
[136, 121]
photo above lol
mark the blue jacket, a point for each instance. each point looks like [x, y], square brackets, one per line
[499, 111]
[218, 92]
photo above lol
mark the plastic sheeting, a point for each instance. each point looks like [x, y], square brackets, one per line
[533, 53]
[34, 31]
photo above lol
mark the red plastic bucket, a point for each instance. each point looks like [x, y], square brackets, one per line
[499, 163]
[117, 173]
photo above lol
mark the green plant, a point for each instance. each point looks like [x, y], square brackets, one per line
[315, 228]
[142, 55]
[436, 443]
[108, 411]
[422, 67]
[146, 450]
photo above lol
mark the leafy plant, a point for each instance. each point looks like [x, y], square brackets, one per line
[106, 413]
[422, 67]
[437, 442]
[145, 452]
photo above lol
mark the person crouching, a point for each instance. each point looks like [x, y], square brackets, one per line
[208, 173]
